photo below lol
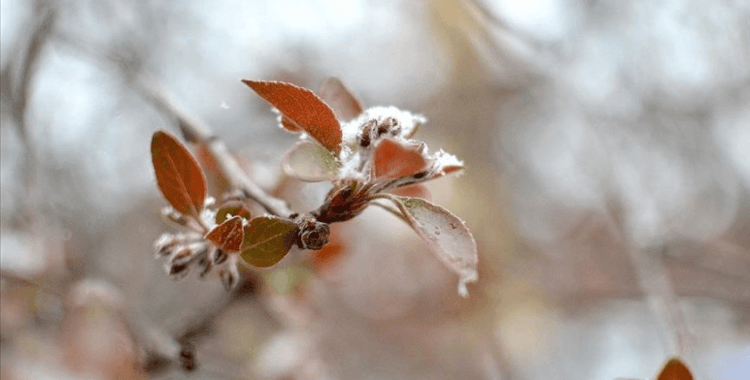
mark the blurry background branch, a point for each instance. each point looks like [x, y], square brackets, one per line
[560, 108]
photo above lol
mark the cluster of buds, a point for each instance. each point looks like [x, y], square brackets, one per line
[379, 156]
[185, 251]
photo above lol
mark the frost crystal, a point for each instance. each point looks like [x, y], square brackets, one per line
[445, 160]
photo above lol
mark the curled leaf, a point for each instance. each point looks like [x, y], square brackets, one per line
[302, 108]
[396, 160]
[234, 208]
[310, 162]
[267, 240]
[178, 174]
[228, 235]
[344, 103]
[675, 370]
[445, 234]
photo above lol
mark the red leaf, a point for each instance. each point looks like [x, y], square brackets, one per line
[344, 103]
[268, 240]
[178, 174]
[413, 191]
[303, 108]
[394, 160]
[675, 370]
[218, 183]
[445, 234]
[228, 235]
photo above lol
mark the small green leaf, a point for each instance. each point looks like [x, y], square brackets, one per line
[445, 234]
[267, 240]
[310, 162]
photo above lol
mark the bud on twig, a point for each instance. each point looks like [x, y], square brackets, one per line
[312, 234]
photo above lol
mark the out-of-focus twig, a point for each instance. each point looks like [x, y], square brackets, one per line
[28, 63]
[655, 283]
[11, 276]
[192, 127]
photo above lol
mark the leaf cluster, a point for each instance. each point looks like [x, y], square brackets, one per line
[368, 155]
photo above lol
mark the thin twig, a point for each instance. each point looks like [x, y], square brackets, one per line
[654, 282]
[42, 30]
[196, 131]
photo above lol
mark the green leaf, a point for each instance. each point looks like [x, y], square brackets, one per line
[445, 234]
[178, 174]
[310, 162]
[267, 240]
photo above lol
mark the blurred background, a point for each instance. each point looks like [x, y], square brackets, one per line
[607, 147]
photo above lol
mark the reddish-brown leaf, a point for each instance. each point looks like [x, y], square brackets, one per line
[337, 95]
[267, 240]
[303, 108]
[413, 191]
[675, 370]
[216, 180]
[395, 160]
[228, 235]
[445, 234]
[178, 174]
[310, 162]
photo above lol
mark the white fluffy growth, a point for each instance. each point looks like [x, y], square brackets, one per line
[407, 120]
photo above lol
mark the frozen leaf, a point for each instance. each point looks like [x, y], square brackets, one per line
[267, 240]
[303, 108]
[233, 208]
[445, 234]
[675, 370]
[395, 160]
[344, 103]
[310, 162]
[178, 174]
[228, 235]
